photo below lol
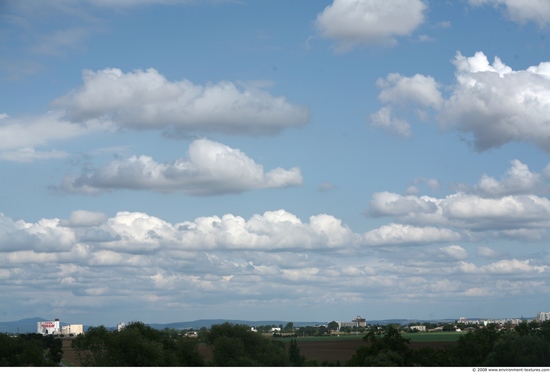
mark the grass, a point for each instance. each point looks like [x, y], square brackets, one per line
[414, 337]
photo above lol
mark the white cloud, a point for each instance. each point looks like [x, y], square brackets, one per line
[355, 22]
[387, 203]
[522, 11]
[147, 100]
[494, 103]
[385, 120]
[498, 105]
[456, 252]
[82, 218]
[508, 207]
[270, 257]
[19, 136]
[518, 180]
[503, 213]
[398, 234]
[421, 89]
[209, 168]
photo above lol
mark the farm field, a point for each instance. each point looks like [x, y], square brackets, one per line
[334, 349]
[323, 349]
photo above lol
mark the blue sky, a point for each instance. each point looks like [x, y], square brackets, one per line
[168, 161]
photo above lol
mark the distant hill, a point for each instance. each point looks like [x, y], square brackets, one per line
[28, 325]
[198, 324]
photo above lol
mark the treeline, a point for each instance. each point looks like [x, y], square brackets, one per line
[236, 345]
[30, 350]
[527, 345]
[139, 345]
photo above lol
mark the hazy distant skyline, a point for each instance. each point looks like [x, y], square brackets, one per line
[168, 161]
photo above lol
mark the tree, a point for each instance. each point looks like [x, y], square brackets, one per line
[296, 360]
[513, 350]
[333, 326]
[385, 348]
[235, 345]
[474, 347]
[137, 345]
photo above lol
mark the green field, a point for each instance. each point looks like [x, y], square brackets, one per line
[414, 337]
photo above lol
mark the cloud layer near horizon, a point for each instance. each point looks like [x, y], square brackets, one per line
[422, 254]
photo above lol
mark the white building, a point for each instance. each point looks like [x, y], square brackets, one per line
[543, 316]
[75, 329]
[120, 326]
[48, 327]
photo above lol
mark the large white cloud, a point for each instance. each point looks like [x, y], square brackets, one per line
[498, 105]
[209, 168]
[355, 22]
[491, 101]
[147, 100]
[522, 11]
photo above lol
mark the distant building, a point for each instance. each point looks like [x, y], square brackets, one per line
[419, 328]
[361, 322]
[356, 322]
[120, 326]
[48, 327]
[72, 329]
[543, 316]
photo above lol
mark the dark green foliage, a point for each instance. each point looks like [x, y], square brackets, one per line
[237, 345]
[515, 350]
[30, 350]
[137, 345]
[473, 347]
[387, 348]
[428, 357]
[527, 345]
[296, 360]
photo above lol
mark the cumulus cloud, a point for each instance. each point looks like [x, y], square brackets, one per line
[420, 89]
[537, 11]
[476, 212]
[209, 168]
[491, 101]
[517, 180]
[498, 105]
[509, 207]
[267, 258]
[391, 204]
[147, 100]
[355, 22]
[398, 234]
[401, 91]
